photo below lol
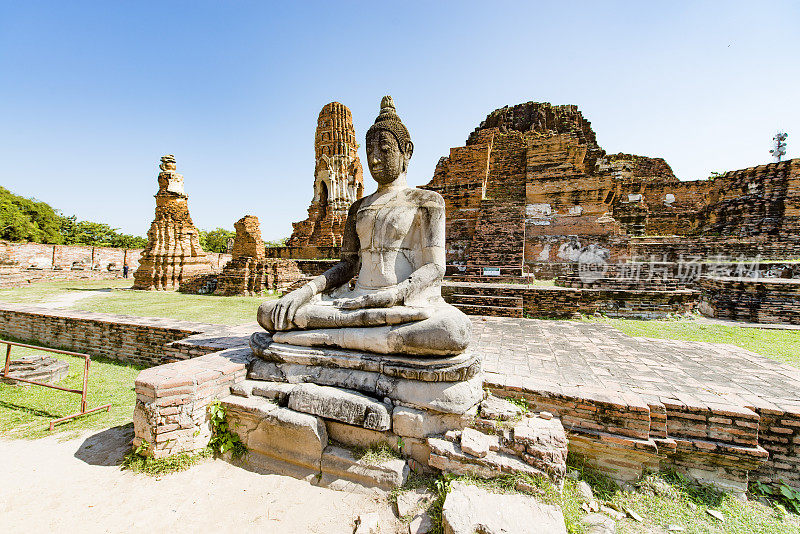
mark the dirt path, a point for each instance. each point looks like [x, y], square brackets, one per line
[67, 300]
[75, 486]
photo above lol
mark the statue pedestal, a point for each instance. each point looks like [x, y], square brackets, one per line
[354, 399]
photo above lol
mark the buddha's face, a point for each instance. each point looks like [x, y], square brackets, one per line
[385, 159]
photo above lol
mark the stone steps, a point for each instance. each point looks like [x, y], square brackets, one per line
[491, 311]
[485, 300]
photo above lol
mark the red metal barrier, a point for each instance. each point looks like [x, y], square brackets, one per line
[87, 360]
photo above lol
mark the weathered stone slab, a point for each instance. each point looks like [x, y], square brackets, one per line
[449, 457]
[343, 405]
[469, 509]
[277, 391]
[446, 397]
[428, 369]
[499, 409]
[542, 443]
[274, 434]
[415, 423]
[343, 471]
[477, 443]
[39, 367]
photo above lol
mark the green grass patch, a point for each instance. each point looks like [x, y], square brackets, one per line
[138, 461]
[376, 454]
[170, 305]
[26, 410]
[661, 500]
[39, 292]
[125, 301]
[777, 344]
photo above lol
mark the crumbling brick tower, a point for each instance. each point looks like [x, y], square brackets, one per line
[173, 250]
[338, 180]
[525, 172]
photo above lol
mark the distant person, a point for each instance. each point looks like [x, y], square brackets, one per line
[125, 271]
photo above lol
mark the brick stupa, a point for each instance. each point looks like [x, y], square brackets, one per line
[338, 180]
[249, 272]
[173, 251]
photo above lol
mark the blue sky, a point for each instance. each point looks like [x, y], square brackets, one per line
[93, 93]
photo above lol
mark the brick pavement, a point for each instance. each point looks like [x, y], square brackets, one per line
[548, 354]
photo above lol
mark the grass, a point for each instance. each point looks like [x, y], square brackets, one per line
[26, 411]
[777, 344]
[201, 308]
[662, 500]
[376, 454]
[138, 462]
[126, 301]
[42, 291]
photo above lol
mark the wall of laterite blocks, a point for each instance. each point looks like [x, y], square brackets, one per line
[172, 400]
[138, 340]
[623, 434]
[762, 300]
[565, 302]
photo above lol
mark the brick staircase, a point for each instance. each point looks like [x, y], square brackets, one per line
[472, 302]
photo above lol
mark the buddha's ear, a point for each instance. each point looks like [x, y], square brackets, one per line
[409, 149]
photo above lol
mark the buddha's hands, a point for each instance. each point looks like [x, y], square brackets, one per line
[381, 299]
[287, 306]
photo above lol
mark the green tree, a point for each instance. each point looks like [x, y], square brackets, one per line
[216, 240]
[277, 243]
[27, 219]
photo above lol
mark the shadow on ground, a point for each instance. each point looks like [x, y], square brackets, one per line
[26, 409]
[106, 447]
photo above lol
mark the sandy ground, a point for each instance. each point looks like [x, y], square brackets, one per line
[71, 486]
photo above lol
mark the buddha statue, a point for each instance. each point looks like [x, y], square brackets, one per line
[394, 242]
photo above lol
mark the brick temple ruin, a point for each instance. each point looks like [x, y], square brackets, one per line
[173, 251]
[533, 195]
[338, 180]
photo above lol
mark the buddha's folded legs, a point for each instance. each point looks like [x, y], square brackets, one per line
[445, 332]
[326, 316]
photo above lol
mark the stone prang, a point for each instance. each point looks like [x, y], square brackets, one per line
[338, 180]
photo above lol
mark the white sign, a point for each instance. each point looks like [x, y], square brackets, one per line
[491, 271]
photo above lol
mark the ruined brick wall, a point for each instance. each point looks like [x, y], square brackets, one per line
[579, 203]
[757, 201]
[338, 179]
[41, 256]
[139, 340]
[763, 300]
[565, 303]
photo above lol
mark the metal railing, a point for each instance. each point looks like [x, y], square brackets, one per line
[83, 391]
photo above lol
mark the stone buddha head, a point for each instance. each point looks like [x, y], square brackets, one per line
[389, 145]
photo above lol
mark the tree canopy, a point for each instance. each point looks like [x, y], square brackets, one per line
[216, 240]
[27, 219]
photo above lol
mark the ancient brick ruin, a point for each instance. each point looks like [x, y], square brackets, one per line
[532, 185]
[532, 194]
[338, 180]
[249, 272]
[173, 250]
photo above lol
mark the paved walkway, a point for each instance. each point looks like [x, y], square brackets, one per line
[541, 354]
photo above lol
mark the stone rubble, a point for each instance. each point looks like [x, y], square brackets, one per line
[499, 409]
[468, 509]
